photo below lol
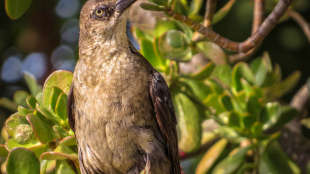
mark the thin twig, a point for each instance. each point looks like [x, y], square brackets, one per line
[301, 21]
[258, 18]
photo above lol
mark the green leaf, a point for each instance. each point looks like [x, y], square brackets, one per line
[151, 7]
[39, 98]
[260, 70]
[195, 7]
[60, 153]
[32, 83]
[270, 114]
[213, 101]
[231, 163]
[60, 131]
[248, 120]
[19, 98]
[42, 129]
[31, 101]
[23, 134]
[225, 101]
[22, 161]
[13, 121]
[257, 129]
[11, 143]
[8, 104]
[230, 134]
[287, 114]
[233, 119]
[214, 86]
[147, 51]
[223, 73]
[211, 156]
[62, 166]
[188, 122]
[204, 73]
[39, 150]
[61, 106]
[23, 111]
[3, 151]
[221, 13]
[213, 52]
[274, 161]
[46, 113]
[169, 49]
[199, 88]
[68, 141]
[43, 167]
[164, 25]
[288, 84]
[54, 97]
[61, 79]
[161, 2]
[15, 8]
[252, 104]
[241, 70]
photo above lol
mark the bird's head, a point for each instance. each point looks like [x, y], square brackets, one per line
[101, 19]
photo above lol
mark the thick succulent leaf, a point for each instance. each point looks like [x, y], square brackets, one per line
[234, 119]
[173, 45]
[61, 106]
[54, 98]
[43, 166]
[260, 70]
[225, 101]
[68, 141]
[22, 161]
[32, 83]
[199, 88]
[211, 156]
[19, 98]
[252, 104]
[3, 151]
[287, 114]
[23, 111]
[213, 101]
[42, 128]
[287, 84]
[274, 161]
[151, 7]
[31, 101]
[180, 7]
[161, 2]
[214, 86]
[11, 143]
[62, 166]
[230, 134]
[248, 120]
[195, 7]
[257, 129]
[47, 114]
[231, 163]
[60, 153]
[164, 25]
[242, 70]
[8, 104]
[15, 8]
[188, 122]
[39, 98]
[213, 52]
[147, 51]
[61, 79]
[39, 150]
[204, 73]
[60, 131]
[220, 14]
[223, 73]
[23, 134]
[270, 114]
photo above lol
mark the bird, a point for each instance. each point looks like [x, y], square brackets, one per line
[119, 106]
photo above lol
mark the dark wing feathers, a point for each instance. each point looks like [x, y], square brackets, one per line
[166, 117]
[70, 112]
[164, 111]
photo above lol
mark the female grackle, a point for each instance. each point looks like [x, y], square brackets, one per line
[119, 106]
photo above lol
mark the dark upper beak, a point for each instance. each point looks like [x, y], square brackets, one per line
[122, 5]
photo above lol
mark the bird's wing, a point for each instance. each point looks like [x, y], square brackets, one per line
[70, 112]
[166, 117]
[164, 111]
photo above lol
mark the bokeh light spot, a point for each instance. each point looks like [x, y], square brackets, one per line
[67, 8]
[10, 71]
[36, 64]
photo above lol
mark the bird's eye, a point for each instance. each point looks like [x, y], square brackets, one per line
[99, 12]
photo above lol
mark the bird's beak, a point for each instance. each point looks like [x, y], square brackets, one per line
[122, 5]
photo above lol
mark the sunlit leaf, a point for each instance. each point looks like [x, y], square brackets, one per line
[15, 8]
[213, 52]
[61, 79]
[22, 161]
[19, 98]
[219, 15]
[31, 101]
[151, 7]
[32, 83]
[195, 7]
[223, 73]
[211, 156]
[241, 70]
